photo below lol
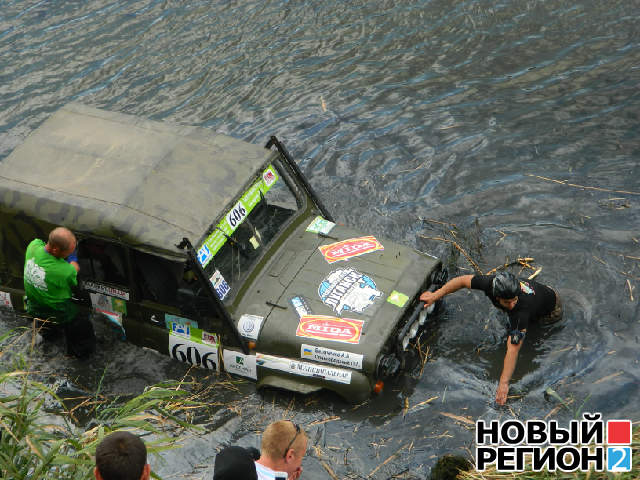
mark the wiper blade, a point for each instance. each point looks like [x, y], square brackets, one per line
[241, 248]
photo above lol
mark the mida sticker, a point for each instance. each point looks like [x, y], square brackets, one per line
[220, 285]
[249, 326]
[320, 225]
[322, 327]
[304, 369]
[346, 289]
[240, 364]
[5, 300]
[352, 247]
[327, 355]
[398, 299]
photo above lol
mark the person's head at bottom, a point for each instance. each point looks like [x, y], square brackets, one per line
[284, 445]
[122, 456]
[235, 463]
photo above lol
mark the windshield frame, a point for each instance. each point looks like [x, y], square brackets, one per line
[212, 237]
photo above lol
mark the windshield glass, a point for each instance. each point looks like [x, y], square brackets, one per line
[246, 231]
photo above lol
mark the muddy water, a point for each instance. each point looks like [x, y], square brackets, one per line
[490, 117]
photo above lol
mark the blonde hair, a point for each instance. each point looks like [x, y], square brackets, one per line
[277, 437]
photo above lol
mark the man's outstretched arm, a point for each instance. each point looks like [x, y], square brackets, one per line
[510, 360]
[453, 285]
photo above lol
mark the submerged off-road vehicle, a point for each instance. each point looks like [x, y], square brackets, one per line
[213, 251]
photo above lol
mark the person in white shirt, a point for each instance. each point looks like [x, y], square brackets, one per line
[284, 445]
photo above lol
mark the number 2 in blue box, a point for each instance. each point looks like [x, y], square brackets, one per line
[619, 459]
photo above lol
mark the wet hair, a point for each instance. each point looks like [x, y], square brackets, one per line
[61, 238]
[278, 435]
[121, 456]
[505, 285]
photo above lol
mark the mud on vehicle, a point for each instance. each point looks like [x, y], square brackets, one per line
[214, 251]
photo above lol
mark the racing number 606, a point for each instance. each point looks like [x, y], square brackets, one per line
[236, 215]
[191, 355]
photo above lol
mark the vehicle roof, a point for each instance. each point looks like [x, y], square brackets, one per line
[146, 183]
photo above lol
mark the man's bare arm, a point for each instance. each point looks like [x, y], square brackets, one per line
[510, 360]
[453, 285]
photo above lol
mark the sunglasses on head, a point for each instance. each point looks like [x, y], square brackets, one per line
[292, 440]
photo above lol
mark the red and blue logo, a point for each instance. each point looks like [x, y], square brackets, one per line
[619, 445]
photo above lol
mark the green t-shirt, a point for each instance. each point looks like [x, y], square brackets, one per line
[47, 281]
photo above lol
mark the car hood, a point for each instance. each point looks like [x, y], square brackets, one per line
[345, 292]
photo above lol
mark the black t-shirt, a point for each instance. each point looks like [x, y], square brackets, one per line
[534, 300]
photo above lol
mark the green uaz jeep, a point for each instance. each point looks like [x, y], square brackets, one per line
[214, 251]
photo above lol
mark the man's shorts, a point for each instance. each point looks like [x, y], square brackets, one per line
[556, 313]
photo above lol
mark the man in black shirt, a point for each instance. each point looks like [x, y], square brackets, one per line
[523, 301]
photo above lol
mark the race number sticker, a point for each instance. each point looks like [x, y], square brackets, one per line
[327, 355]
[240, 364]
[249, 326]
[321, 327]
[197, 354]
[5, 300]
[304, 369]
[220, 285]
[352, 247]
[237, 215]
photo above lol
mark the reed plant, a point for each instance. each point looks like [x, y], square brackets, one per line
[38, 444]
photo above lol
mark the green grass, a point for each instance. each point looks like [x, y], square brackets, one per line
[32, 447]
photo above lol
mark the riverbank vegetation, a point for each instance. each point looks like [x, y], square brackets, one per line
[41, 437]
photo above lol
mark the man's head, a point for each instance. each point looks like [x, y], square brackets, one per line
[121, 456]
[61, 243]
[505, 288]
[234, 463]
[284, 445]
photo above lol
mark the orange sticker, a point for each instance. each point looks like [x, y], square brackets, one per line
[322, 327]
[350, 248]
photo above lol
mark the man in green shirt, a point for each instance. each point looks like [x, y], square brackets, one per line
[50, 273]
